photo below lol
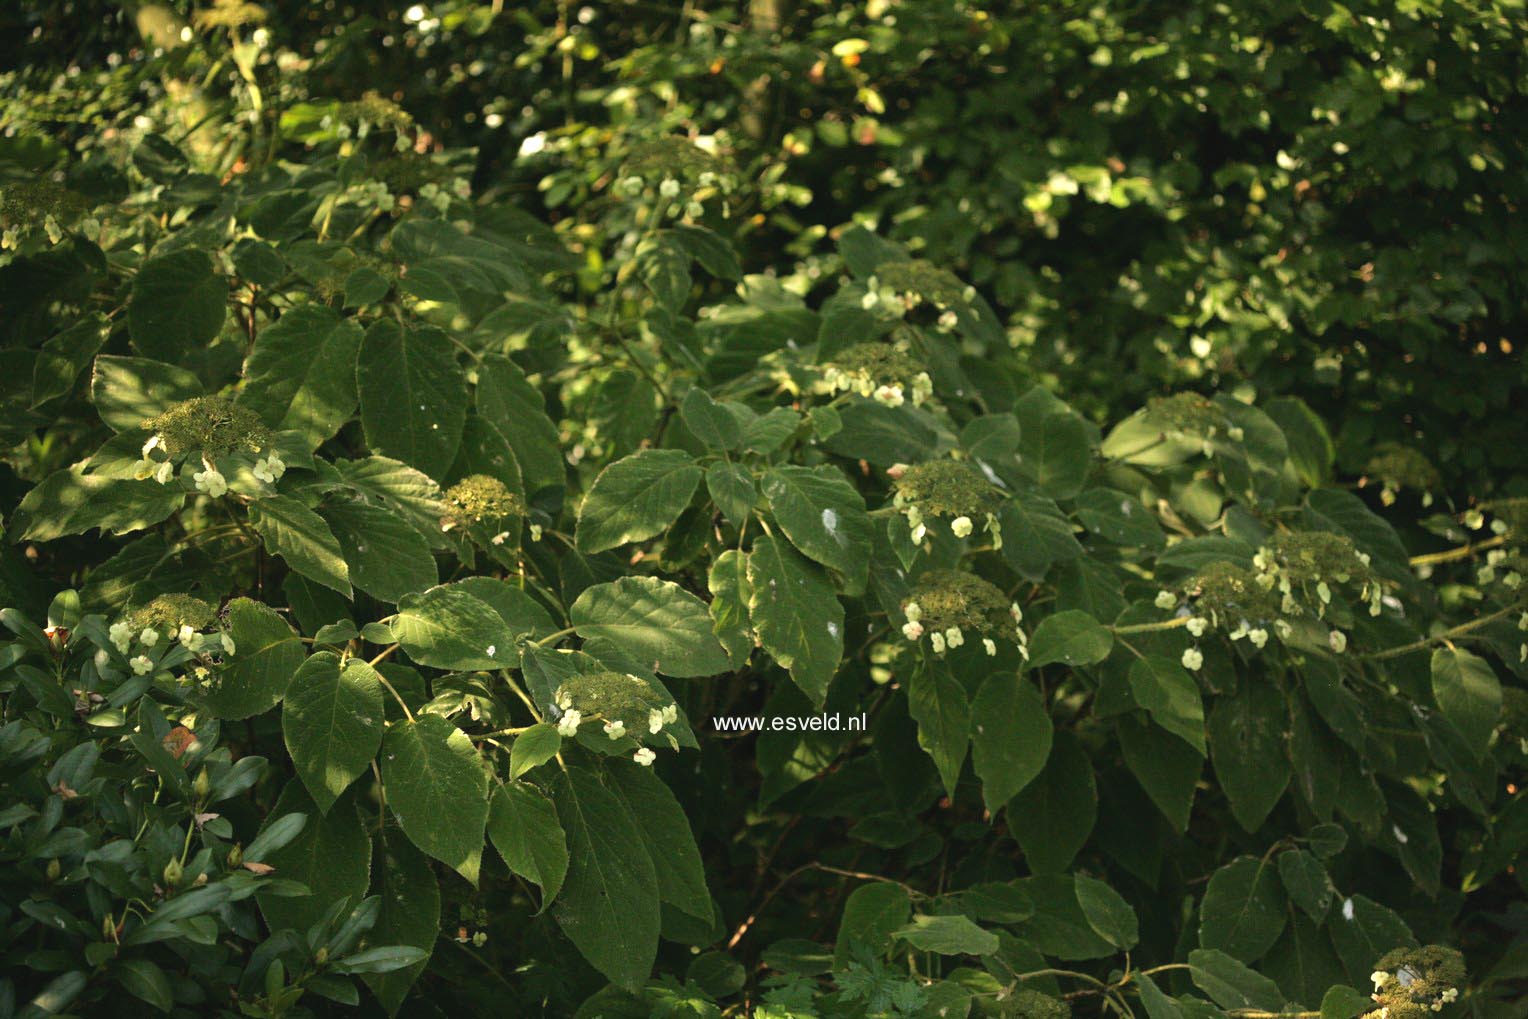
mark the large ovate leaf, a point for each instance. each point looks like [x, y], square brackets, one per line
[1468, 693]
[449, 628]
[799, 619]
[331, 720]
[302, 538]
[1010, 737]
[437, 790]
[385, 557]
[178, 304]
[609, 902]
[413, 398]
[1243, 909]
[938, 703]
[824, 517]
[266, 656]
[636, 498]
[656, 622]
[410, 913]
[523, 826]
[301, 374]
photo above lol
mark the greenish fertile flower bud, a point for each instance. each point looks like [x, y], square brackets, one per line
[173, 872]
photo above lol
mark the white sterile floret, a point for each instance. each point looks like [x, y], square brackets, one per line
[1165, 600]
[644, 756]
[185, 635]
[1235, 433]
[1338, 641]
[567, 725]
[164, 472]
[937, 639]
[1016, 612]
[149, 636]
[870, 300]
[655, 721]
[615, 729]
[211, 482]
[227, 643]
[671, 714]
[961, 526]
[155, 441]
[270, 468]
[491, 650]
[669, 188]
[923, 387]
[1258, 637]
[1196, 625]
[953, 637]
[1324, 593]
[889, 395]
[948, 320]
[913, 611]
[121, 635]
[912, 631]
[142, 664]
[1380, 978]
[990, 645]
[1193, 658]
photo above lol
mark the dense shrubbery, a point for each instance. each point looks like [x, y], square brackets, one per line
[391, 519]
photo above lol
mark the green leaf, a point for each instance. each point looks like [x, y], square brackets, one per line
[732, 488]
[609, 902]
[667, 835]
[799, 619]
[63, 357]
[177, 306]
[523, 826]
[437, 790]
[413, 396]
[266, 655]
[1230, 984]
[636, 498]
[127, 391]
[1053, 815]
[824, 517]
[386, 557]
[1059, 927]
[1342, 512]
[1363, 930]
[1307, 882]
[1119, 518]
[1010, 737]
[872, 915]
[728, 583]
[1343, 1002]
[515, 407]
[524, 615]
[410, 494]
[952, 934]
[301, 374]
[302, 538]
[1036, 535]
[533, 748]
[1165, 767]
[712, 423]
[937, 702]
[331, 855]
[1311, 451]
[1243, 909]
[69, 502]
[331, 721]
[1107, 912]
[1166, 690]
[654, 621]
[1071, 638]
[1058, 452]
[1247, 748]
[1468, 695]
[447, 627]
[410, 913]
[146, 982]
[379, 960]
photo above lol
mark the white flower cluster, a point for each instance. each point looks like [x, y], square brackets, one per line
[1404, 977]
[123, 638]
[571, 718]
[209, 480]
[952, 637]
[887, 393]
[879, 295]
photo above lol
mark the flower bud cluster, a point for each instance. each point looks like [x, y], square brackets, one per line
[1411, 983]
[624, 704]
[949, 605]
[1396, 467]
[1193, 417]
[682, 173]
[882, 371]
[480, 499]
[906, 286]
[946, 489]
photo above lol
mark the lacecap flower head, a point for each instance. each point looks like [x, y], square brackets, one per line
[951, 490]
[883, 372]
[1415, 983]
[952, 606]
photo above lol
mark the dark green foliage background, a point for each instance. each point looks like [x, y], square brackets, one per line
[405, 241]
